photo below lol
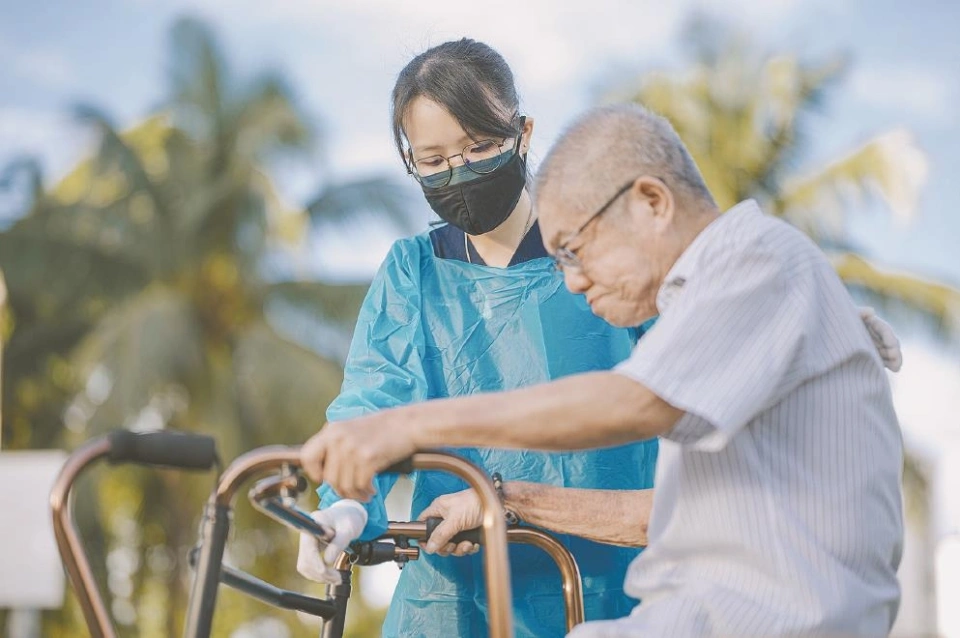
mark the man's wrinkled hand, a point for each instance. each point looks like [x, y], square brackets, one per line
[460, 511]
[348, 454]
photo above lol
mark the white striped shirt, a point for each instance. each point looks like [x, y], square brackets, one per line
[778, 508]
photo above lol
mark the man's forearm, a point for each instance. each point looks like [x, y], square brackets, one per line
[598, 409]
[615, 517]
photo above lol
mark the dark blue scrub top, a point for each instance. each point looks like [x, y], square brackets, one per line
[447, 243]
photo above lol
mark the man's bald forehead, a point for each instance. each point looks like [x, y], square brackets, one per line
[557, 215]
[607, 146]
[565, 172]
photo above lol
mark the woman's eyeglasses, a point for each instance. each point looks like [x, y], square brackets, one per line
[479, 158]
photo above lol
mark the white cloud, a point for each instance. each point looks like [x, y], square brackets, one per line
[357, 153]
[546, 44]
[923, 91]
[41, 66]
[762, 14]
[556, 51]
[47, 68]
[927, 394]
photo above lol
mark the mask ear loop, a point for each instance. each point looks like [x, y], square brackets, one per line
[523, 159]
[523, 156]
[523, 123]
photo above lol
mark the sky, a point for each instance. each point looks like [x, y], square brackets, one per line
[342, 59]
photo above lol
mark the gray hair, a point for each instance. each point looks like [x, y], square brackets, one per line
[610, 145]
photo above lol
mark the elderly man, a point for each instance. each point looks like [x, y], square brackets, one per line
[778, 506]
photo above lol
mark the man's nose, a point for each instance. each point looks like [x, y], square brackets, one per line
[577, 282]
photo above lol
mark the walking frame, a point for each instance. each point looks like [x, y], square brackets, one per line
[280, 481]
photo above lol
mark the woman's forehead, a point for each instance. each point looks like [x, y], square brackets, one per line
[430, 127]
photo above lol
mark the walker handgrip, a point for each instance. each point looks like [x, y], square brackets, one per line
[163, 448]
[469, 535]
[374, 553]
[401, 467]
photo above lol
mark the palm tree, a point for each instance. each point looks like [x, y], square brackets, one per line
[744, 116]
[150, 288]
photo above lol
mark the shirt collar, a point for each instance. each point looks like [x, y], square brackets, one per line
[688, 262]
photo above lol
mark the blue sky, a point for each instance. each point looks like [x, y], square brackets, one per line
[342, 61]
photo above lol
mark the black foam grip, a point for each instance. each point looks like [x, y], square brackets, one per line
[470, 535]
[401, 467]
[374, 552]
[163, 448]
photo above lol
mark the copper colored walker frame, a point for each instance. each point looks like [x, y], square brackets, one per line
[274, 495]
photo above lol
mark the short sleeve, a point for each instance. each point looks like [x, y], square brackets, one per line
[726, 348]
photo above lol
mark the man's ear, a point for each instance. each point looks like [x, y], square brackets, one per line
[657, 196]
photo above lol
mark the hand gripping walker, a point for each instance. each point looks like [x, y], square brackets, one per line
[274, 496]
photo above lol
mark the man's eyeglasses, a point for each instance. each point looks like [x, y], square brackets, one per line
[567, 258]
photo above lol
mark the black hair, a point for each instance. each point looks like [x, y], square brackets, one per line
[467, 78]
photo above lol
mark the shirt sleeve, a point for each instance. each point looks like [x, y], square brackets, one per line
[727, 348]
[384, 367]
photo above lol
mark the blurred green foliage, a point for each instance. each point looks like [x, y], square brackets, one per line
[145, 291]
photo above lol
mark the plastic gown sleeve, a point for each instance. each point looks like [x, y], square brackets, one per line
[384, 367]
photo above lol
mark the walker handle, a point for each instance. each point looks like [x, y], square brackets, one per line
[469, 535]
[401, 467]
[163, 448]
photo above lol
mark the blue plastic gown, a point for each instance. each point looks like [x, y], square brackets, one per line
[432, 328]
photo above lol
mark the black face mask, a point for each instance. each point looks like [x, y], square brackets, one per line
[483, 203]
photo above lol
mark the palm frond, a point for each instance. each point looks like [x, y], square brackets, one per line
[32, 342]
[891, 166]
[789, 92]
[148, 346]
[315, 315]
[137, 192]
[116, 153]
[282, 387]
[938, 300]
[199, 79]
[267, 118]
[56, 274]
[373, 197]
[338, 303]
